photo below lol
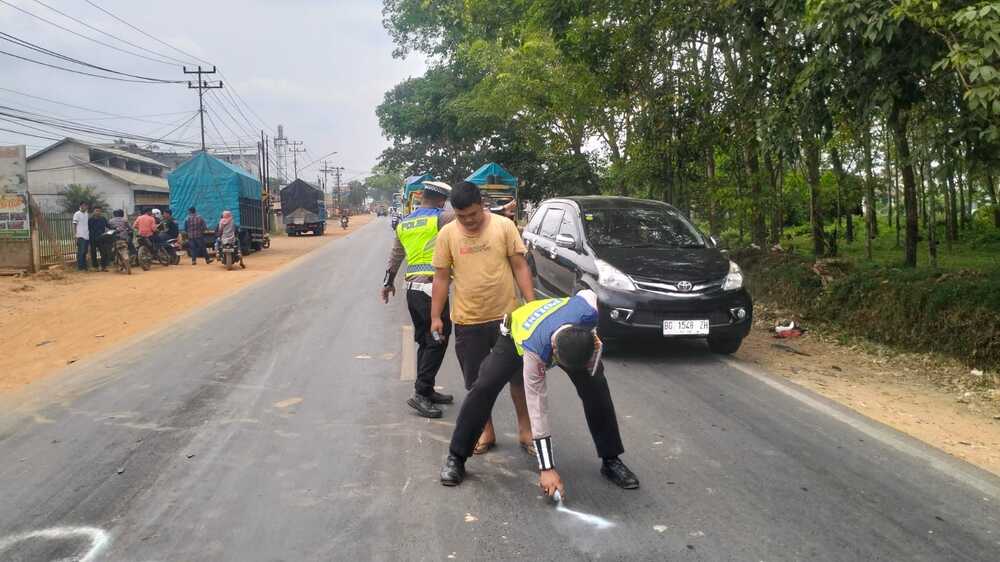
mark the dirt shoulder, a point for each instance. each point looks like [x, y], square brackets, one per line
[53, 319]
[931, 398]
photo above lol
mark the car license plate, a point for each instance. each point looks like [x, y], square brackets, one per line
[685, 327]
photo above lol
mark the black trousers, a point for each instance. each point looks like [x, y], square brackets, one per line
[497, 369]
[473, 343]
[430, 353]
[98, 245]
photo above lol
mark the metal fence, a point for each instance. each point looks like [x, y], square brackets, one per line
[56, 238]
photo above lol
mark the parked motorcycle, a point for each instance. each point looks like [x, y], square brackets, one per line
[229, 253]
[343, 221]
[119, 252]
[144, 252]
[174, 247]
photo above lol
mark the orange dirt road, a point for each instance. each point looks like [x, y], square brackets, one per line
[54, 319]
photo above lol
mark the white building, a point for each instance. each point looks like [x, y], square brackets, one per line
[126, 180]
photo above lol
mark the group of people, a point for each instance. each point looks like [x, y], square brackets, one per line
[478, 258]
[152, 227]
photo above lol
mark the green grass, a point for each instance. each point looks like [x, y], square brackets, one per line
[977, 248]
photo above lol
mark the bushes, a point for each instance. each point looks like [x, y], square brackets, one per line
[955, 313]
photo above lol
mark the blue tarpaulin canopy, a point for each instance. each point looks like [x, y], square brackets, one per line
[492, 173]
[212, 186]
[417, 180]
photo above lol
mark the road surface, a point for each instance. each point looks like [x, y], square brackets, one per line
[272, 426]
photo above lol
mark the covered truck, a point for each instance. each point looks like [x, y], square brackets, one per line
[413, 190]
[496, 183]
[303, 208]
[213, 186]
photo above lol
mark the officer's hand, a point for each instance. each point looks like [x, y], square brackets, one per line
[386, 292]
[550, 481]
[510, 209]
[437, 325]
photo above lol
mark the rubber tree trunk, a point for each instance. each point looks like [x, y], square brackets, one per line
[845, 208]
[898, 123]
[758, 228]
[870, 221]
[713, 212]
[994, 197]
[815, 209]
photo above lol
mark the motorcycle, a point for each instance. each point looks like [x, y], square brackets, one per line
[120, 253]
[174, 248]
[229, 253]
[144, 252]
[165, 252]
[343, 221]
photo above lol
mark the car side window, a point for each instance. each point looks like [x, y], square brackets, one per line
[551, 223]
[536, 219]
[569, 226]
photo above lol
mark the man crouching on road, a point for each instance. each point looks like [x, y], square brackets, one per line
[536, 336]
[415, 238]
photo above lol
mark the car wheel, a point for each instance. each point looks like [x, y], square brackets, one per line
[725, 346]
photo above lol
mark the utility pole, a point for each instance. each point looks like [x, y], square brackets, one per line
[337, 170]
[201, 87]
[294, 148]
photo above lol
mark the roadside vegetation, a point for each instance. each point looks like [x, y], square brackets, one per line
[864, 131]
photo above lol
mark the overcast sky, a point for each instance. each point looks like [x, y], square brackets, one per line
[319, 67]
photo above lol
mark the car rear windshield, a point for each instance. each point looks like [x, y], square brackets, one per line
[639, 227]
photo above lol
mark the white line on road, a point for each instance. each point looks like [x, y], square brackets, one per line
[98, 539]
[874, 430]
[408, 361]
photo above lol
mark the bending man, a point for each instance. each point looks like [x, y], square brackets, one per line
[540, 334]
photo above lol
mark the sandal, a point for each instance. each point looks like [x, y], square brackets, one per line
[483, 448]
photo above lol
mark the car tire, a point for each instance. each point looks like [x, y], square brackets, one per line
[724, 346]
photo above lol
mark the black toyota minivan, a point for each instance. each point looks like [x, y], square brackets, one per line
[652, 270]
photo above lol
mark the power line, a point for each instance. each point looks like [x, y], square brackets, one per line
[29, 134]
[82, 108]
[233, 119]
[75, 71]
[201, 87]
[148, 35]
[101, 31]
[55, 54]
[68, 30]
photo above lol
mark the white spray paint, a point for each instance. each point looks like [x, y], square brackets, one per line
[599, 522]
[99, 539]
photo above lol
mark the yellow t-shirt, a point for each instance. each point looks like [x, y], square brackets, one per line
[483, 281]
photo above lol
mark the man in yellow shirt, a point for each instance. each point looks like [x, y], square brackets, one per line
[484, 254]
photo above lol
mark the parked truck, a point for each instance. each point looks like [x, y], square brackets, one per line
[212, 186]
[303, 209]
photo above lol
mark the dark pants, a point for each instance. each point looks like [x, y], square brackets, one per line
[196, 249]
[473, 343]
[430, 353]
[496, 371]
[81, 253]
[104, 248]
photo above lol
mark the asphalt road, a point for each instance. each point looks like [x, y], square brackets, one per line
[272, 426]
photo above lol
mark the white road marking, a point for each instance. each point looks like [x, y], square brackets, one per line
[288, 402]
[599, 522]
[408, 361]
[99, 539]
[873, 430]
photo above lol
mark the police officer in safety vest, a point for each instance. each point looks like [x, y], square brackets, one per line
[535, 337]
[416, 234]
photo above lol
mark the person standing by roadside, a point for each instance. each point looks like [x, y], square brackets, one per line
[81, 226]
[415, 239]
[485, 255]
[195, 228]
[98, 225]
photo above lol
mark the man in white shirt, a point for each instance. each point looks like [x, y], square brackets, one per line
[81, 224]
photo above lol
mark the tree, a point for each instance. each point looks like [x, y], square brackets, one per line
[75, 194]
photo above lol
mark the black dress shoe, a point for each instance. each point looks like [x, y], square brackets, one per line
[616, 471]
[424, 406]
[438, 398]
[453, 471]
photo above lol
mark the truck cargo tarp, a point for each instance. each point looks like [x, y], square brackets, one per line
[492, 173]
[300, 199]
[212, 186]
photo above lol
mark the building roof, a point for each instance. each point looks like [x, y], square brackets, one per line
[145, 181]
[115, 151]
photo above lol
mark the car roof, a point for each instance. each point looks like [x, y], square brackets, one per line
[591, 202]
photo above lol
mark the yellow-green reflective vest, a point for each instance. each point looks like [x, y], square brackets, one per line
[418, 234]
[527, 318]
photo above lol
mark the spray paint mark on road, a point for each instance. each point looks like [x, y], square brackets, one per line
[596, 521]
[99, 539]
[408, 358]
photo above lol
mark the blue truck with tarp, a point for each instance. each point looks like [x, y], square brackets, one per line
[497, 184]
[212, 186]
